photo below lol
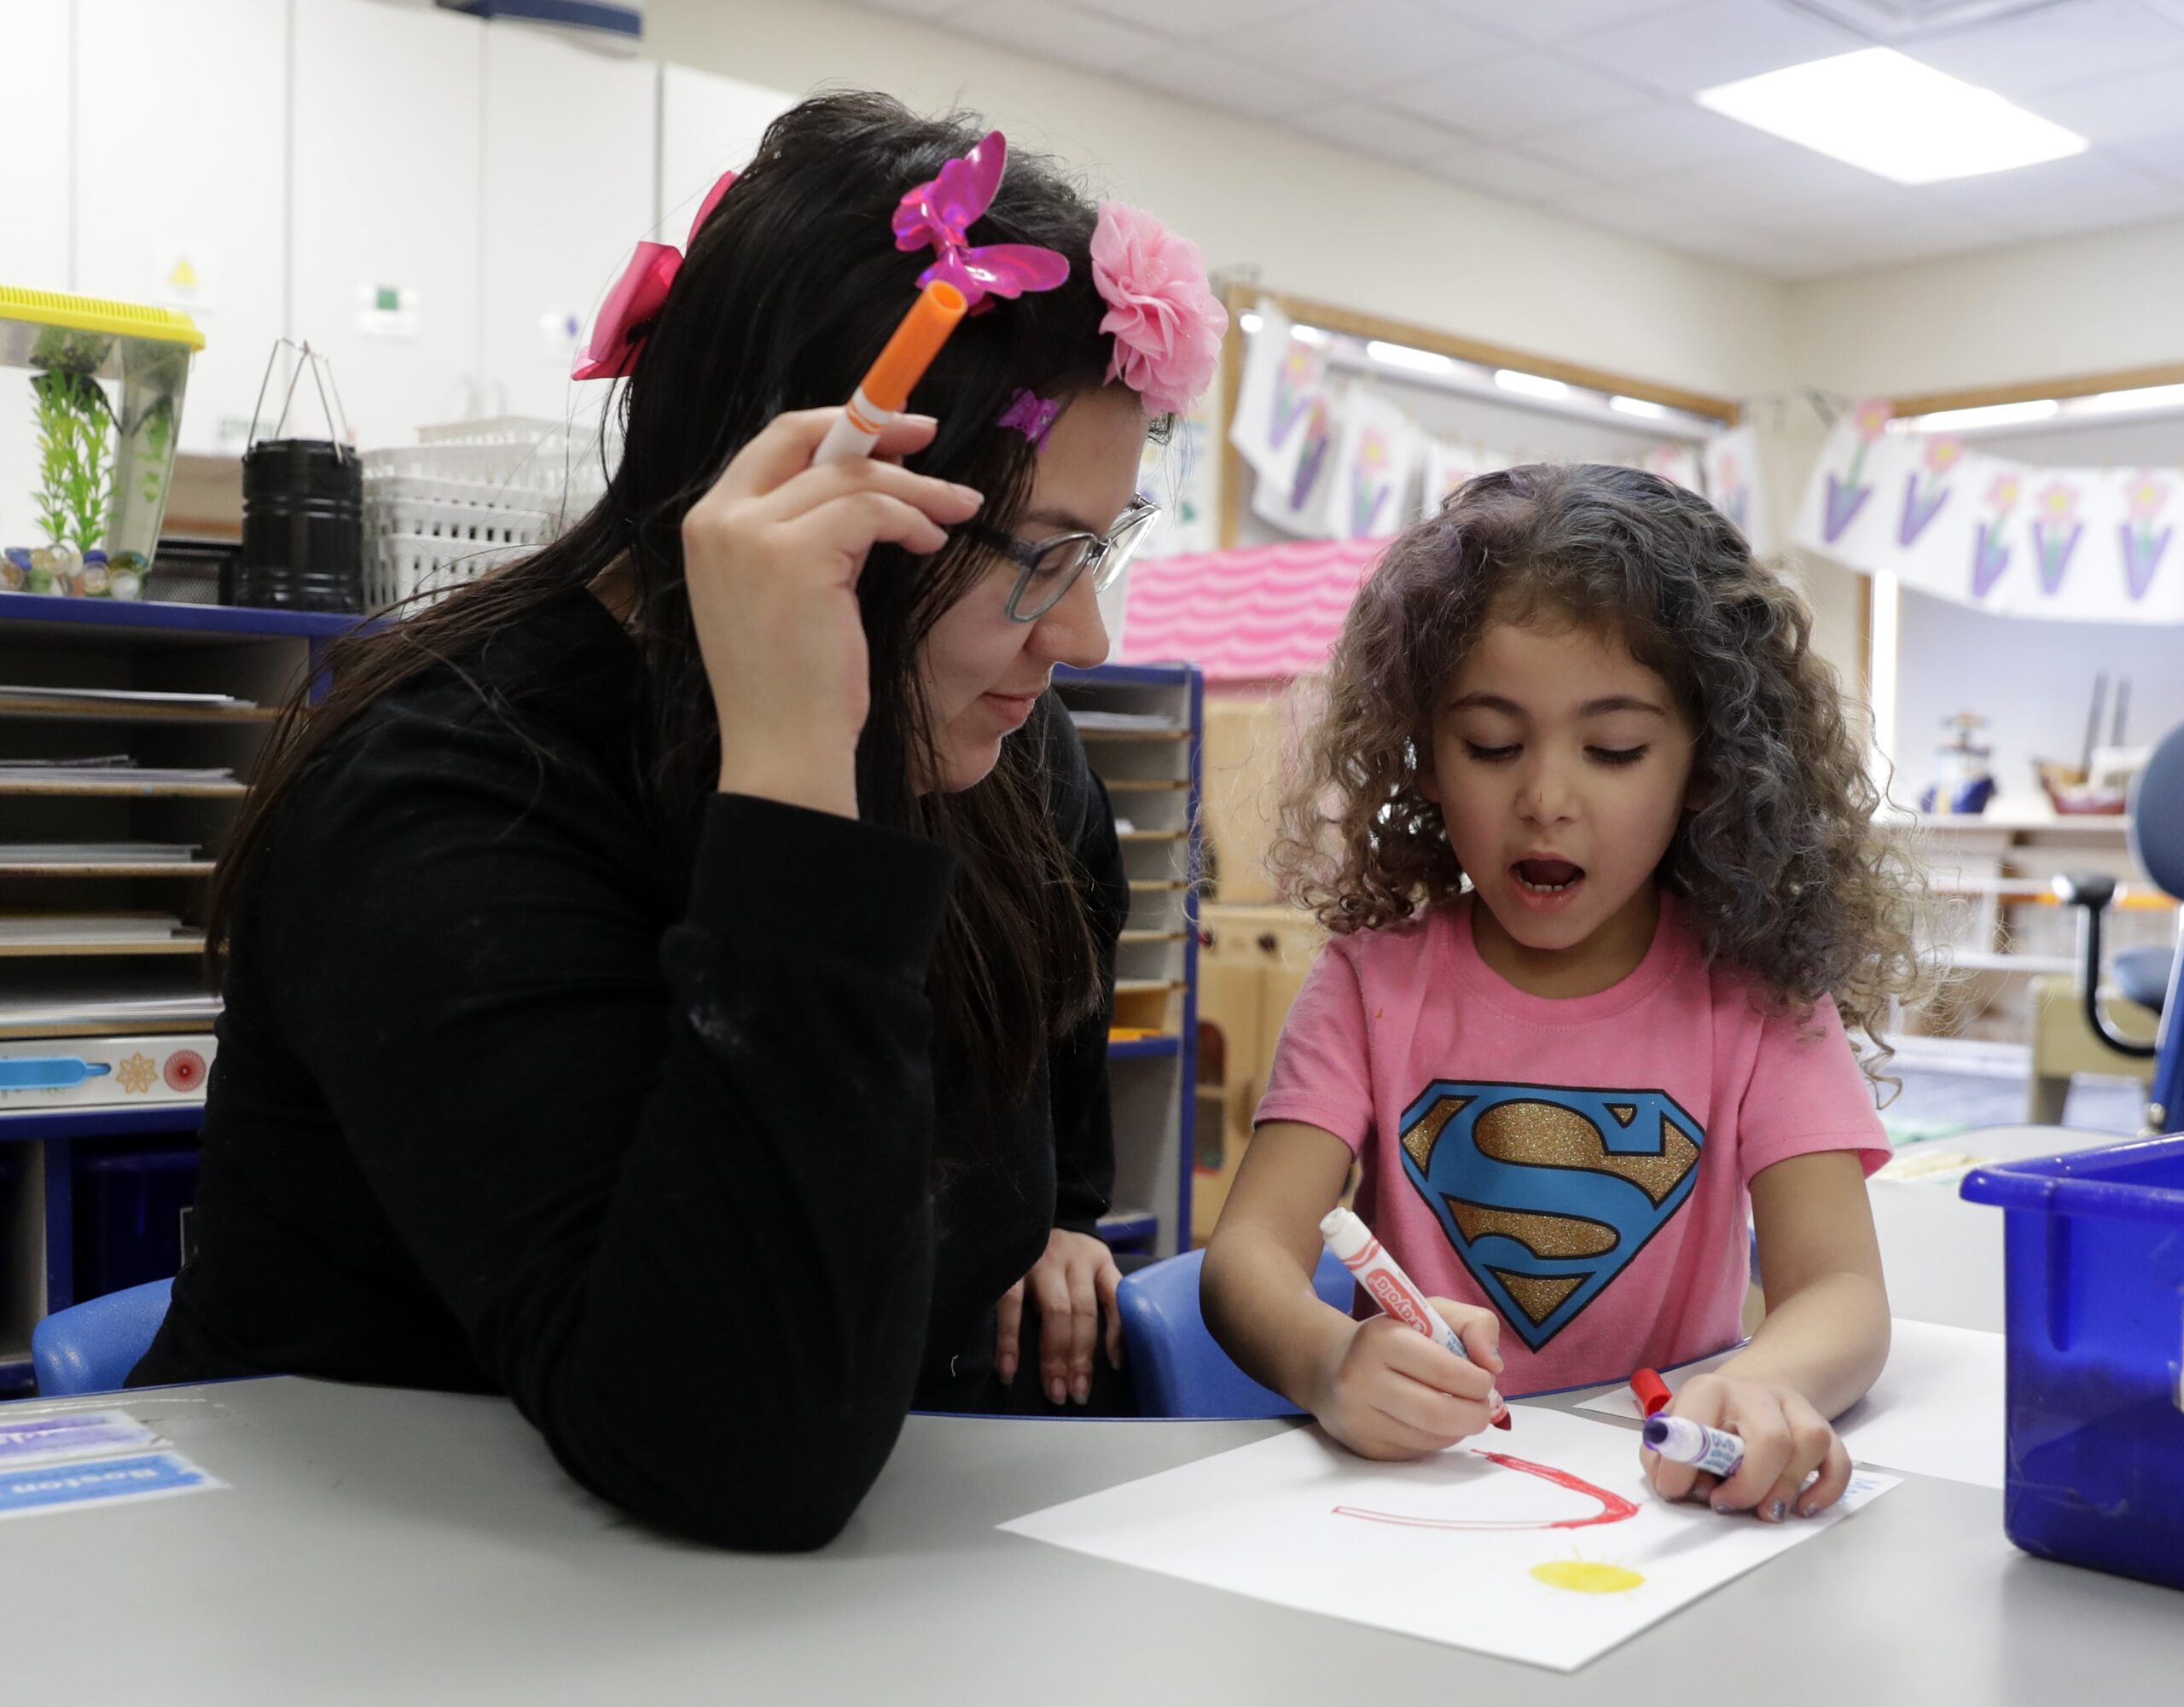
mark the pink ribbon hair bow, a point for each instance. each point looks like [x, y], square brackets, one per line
[942, 211]
[637, 298]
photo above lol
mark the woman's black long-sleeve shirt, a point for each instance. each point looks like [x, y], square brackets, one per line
[513, 1095]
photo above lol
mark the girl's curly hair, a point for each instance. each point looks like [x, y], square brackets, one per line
[1782, 872]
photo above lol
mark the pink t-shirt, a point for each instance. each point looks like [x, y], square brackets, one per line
[1580, 1166]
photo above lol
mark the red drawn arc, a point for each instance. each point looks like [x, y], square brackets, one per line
[1614, 1508]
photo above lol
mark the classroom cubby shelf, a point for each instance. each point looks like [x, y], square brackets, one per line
[1152, 773]
[51, 1154]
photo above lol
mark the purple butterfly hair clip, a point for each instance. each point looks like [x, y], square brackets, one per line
[941, 213]
[1030, 414]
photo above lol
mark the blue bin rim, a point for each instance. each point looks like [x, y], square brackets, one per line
[2074, 1183]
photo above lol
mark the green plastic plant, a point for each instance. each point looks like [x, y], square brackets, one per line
[75, 456]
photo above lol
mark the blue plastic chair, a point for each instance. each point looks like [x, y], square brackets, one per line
[1180, 1371]
[92, 1347]
[2148, 976]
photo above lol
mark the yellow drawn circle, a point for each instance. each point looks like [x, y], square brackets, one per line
[1586, 1577]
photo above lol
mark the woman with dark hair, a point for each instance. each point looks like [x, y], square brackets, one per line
[667, 981]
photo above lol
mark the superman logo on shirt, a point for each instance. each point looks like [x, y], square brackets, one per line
[1546, 1192]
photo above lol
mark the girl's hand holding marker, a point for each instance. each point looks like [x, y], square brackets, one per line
[1415, 1380]
[1742, 1444]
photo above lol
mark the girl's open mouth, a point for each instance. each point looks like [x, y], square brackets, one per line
[1545, 886]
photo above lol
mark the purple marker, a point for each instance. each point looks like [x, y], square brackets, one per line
[1714, 1450]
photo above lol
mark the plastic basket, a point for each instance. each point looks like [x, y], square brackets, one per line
[2093, 1259]
[466, 499]
[399, 566]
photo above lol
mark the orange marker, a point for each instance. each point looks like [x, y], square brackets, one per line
[886, 391]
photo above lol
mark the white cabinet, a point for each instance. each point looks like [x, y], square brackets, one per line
[385, 243]
[569, 190]
[707, 125]
[34, 80]
[189, 212]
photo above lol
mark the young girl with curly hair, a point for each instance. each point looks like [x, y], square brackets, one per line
[1597, 851]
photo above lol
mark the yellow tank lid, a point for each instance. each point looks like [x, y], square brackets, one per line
[99, 314]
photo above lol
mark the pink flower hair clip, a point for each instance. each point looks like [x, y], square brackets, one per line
[637, 298]
[1167, 324]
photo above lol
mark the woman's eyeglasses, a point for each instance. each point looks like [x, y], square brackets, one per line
[1047, 568]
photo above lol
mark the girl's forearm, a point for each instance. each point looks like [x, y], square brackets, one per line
[1828, 1341]
[1264, 1310]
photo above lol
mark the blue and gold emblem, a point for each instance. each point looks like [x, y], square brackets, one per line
[1546, 1193]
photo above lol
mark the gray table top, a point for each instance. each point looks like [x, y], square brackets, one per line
[380, 1545]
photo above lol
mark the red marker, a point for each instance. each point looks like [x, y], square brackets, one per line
[1653, 1391]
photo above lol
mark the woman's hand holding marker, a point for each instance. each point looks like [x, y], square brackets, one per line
[771, 556]
[1787, 1444]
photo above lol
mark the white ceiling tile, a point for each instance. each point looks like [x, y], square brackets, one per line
[916, 8]
[1697, 47]
[1758, 184]
[2161, 155]
[1664, 138]
[1191, 20]
[1508, 173]
[1363, 44]
[1615, 208]
[2120, 108]
[1370, 127]
[1552, 21]
[2085, 192]
[1220, 79]
[1057, 32]
[1515, 96]
[2056, 46]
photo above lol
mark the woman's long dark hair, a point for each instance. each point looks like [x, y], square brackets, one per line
[786, 294]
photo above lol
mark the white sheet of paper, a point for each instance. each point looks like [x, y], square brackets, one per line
[1937, 1409]
[1474, 1550]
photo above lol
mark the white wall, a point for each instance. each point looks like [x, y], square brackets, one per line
[2032, 312]
[1317, 221]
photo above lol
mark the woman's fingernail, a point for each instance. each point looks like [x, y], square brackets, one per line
[1722, 1508]
[1058, 1391]
[1775, 1512]
[970, 495]
[1493, 1399]
[920, 420]
[1081, 1392]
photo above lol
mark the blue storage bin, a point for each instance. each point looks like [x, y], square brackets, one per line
[128, 1201]
[2094, 1252]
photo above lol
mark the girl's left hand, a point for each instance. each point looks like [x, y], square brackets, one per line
[1784, 1440]
[1072, 1283]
